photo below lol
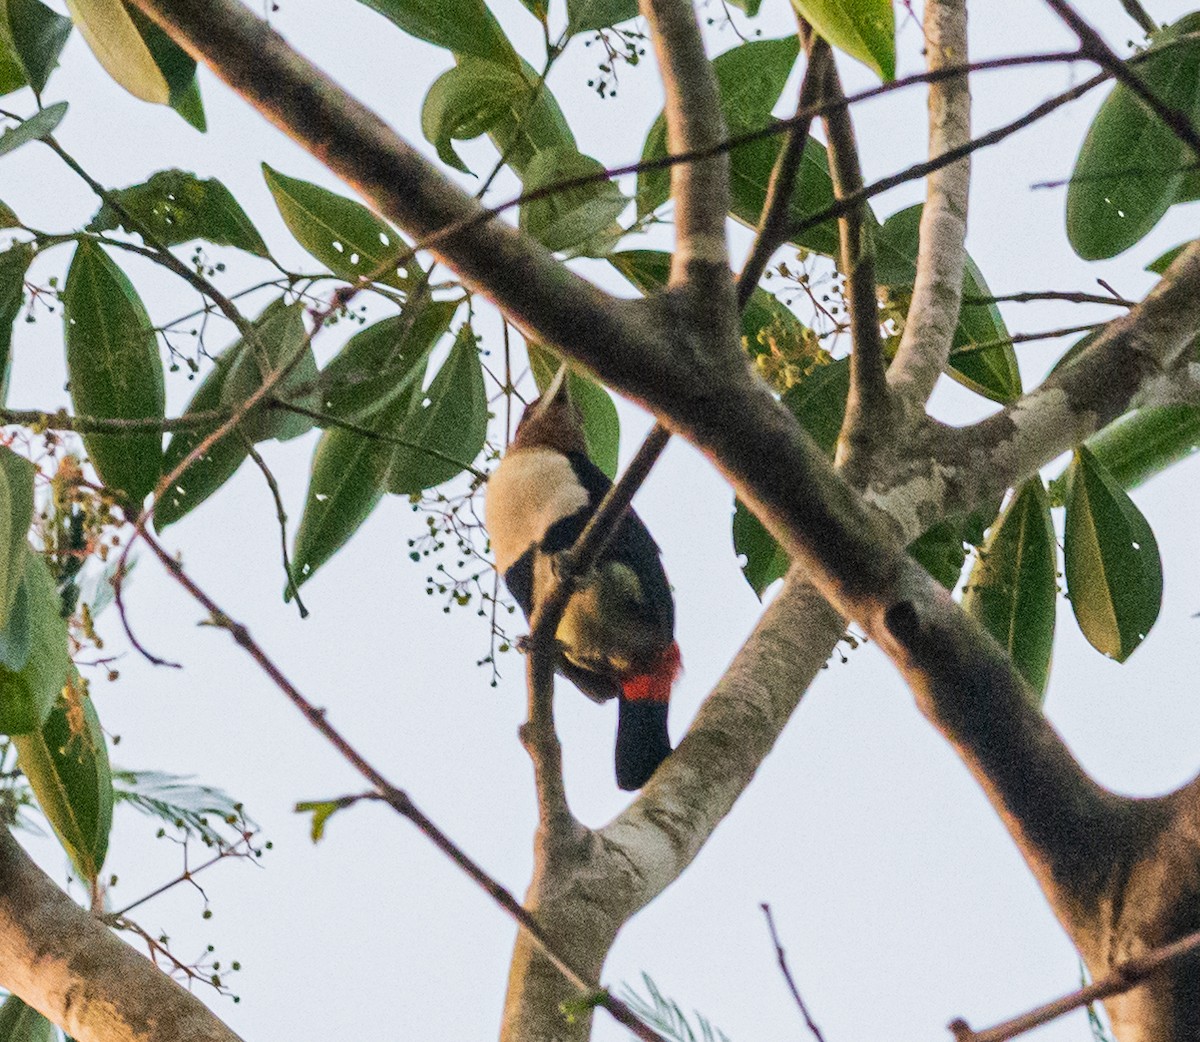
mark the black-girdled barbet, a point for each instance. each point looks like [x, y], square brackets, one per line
[617, 635]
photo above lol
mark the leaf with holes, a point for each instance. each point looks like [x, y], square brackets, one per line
[342, 234]
[35, 128]
[1131, 166]
[110, 32]
[37, 634]
[1113, 570]
[66, 762]
[446, 426]
[467, 101]
[1013, 587]
[601, 425]
[765, 560]
[864, 29]
[115, 369]
[38, 36]
[175, 207]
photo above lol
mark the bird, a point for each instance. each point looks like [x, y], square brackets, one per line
[616, 638]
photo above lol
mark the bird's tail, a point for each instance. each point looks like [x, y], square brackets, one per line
[642, 739]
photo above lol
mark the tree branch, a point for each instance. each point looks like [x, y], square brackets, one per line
[937, 291]
[67, 965]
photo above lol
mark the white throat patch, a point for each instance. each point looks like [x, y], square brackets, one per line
[530, 490]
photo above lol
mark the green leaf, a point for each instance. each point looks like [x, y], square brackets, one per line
[178, 69]
[467, 101]
[16, 514]
[321, 811]
[991, 371]
[38, 36]
[1131, 166]
[349, 472]
[601, 425]
[14, 262]
[462, 26]
[35, 128]
[12, 72]
[449, 419]
[381, 362]
[940, 551]
[1146, 442]
[1160, 264]
[110, 32]
[28, 692]
[281, 340]
[175, 207]
[16, 638]
[587, 15]
[764, 559]
[114, 368]
[864, 29]
[580, 219]
[66, 763]
[750, 7]
[8, 219]
[531, 125]
[1114, 575]
[819, 403]
[198, 810]
[342, 234]
[22, 1023]
[750, 79]
[1013, 587]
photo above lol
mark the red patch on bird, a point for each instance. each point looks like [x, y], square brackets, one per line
[656, 685]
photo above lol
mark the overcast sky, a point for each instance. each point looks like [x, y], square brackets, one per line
[900, 898]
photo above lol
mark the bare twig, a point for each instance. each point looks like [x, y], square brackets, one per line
[1124, 977]
[60, 420]
[1177, 121]
[773, 223]
[781, 955]
[1068, 296]
[281, 516]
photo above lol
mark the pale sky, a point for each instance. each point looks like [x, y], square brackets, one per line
[900, 899]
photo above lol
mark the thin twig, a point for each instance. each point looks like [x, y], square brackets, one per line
[1124, 977]
[772, 225]
[1065, 295]
[397, 799]
[1024, 338]
[781, 955]
[293, 588]
[61, 420]
[1177, 121]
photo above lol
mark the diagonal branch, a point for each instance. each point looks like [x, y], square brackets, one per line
[937, 290]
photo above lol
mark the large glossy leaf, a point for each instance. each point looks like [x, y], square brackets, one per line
[178, 69]
[864, 29]
[601, 425]
[462, 26]
[586, 15]
[16, 513]
[446, 426]
[38, 36]
[342, 234]
[750, 79]
[580, 220]
[532, 124]
[281, 342]
[1013, 587]
[37, 633]
[989, 370]
[1113, 570]
[381, 363]
[22, 1023]
[14, 263]
[66, 763]
[467, 101]
[115, 369]
[176, 207]
[35, 128]
[110, 32]
[1146, 442]
[1131, 166]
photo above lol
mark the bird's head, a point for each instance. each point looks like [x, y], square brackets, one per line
[552, 421]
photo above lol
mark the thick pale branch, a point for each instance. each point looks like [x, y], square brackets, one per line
[937, 291]
[70, 967]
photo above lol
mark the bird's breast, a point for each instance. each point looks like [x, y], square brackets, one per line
[530, 490]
